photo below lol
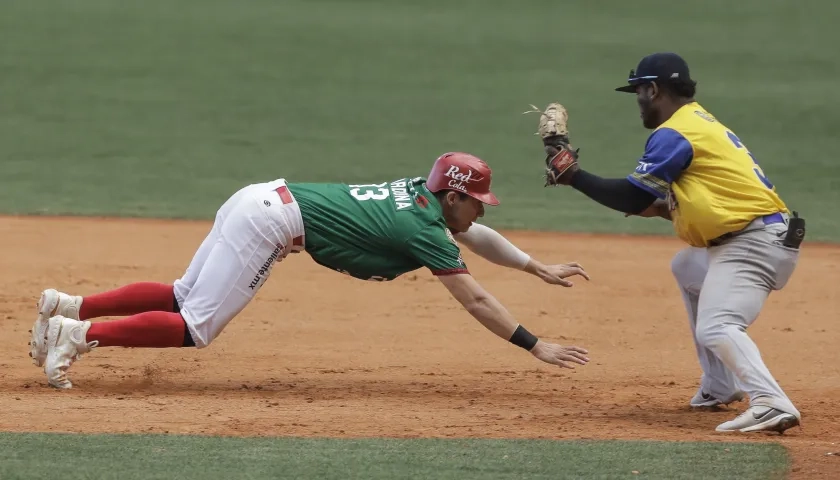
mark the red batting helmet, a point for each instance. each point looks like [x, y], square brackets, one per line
[462, 172]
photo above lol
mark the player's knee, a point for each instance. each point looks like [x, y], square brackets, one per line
[202, 326]
[714, 330]
[681, 264]
[689, 267]
[188, 339]
[709, 334]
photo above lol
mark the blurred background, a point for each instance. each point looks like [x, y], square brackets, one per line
[165, 107]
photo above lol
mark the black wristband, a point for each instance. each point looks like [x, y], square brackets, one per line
[523, 338]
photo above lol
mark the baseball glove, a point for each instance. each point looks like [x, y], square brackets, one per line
[561, 161]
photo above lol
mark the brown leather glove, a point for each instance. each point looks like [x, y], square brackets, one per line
[561, 161]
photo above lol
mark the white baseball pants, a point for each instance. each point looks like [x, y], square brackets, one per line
[254, 229]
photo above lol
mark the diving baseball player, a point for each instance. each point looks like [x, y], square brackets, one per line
[743, 241]
[370, 232]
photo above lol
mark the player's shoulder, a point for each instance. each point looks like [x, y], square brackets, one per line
[665, 137]
[435, 234]
[425, 201]
[691, 118]
[428, 219]
[690, 123]
[417, 207]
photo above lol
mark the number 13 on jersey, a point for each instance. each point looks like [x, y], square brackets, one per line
[370, 191]
[759, 173]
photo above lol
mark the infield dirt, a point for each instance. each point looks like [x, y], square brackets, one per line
[320, 354]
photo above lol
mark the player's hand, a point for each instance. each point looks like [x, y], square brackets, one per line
[556, 274]
[559, 355]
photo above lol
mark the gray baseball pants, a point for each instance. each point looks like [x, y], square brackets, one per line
[724, 288]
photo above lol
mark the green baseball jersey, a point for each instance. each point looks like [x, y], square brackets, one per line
[377, 231]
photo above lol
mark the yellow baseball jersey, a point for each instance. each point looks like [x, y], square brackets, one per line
[711, 181]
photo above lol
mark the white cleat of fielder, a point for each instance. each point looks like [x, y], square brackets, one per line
[760, 419]
[702, 399]
[52, 303]
[66, 342]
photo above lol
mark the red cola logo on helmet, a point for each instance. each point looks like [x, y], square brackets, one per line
[463, 173]
[460, 180]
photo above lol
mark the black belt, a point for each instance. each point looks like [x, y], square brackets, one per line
[767, 219]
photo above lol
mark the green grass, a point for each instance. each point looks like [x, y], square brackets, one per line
[150, 457]
[164, 108]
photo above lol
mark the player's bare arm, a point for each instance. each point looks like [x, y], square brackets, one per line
[494, 247]
[495, 317]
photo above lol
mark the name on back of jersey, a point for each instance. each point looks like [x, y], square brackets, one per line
[402, 196]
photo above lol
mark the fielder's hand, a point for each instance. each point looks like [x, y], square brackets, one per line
[556, 274]
[560, 355]
[561, 161]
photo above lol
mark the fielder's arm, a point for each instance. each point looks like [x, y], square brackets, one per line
[615, 193]
[659, 208]
[494, 247]
[490, 313]
[667, 154]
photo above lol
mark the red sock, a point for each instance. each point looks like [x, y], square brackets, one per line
[129, 300]
[148, 329]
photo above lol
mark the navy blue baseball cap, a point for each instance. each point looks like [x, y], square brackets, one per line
[659, 68]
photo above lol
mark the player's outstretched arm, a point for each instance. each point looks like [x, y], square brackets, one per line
[490, 313]
[667, 153]
[494, 247]
[556, 274]
[615, 193]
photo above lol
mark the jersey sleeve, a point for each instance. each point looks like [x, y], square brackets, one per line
[435, 248]
[667, 154]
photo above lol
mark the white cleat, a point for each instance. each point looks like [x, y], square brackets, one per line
[760, 419]
[66, 342]
[52, 303]
[702, 399]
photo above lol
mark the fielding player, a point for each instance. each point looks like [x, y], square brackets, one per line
[743, 240]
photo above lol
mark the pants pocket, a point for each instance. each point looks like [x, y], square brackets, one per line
[785, 260]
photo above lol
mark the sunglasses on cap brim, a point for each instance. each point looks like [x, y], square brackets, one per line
[633, 81]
